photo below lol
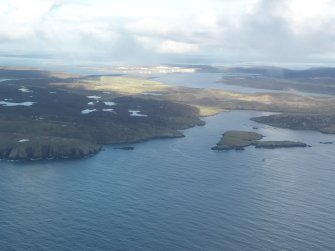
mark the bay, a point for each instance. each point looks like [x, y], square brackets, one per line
[176, 194]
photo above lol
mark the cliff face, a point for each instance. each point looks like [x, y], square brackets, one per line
[33, 148]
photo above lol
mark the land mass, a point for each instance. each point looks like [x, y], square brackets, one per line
[47, 115]
[238, 140]
[314, 80]
[324, 123]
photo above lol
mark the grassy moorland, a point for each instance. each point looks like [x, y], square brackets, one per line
[209, 101]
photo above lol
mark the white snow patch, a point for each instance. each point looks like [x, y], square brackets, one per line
[110, 103]
[5, 103]
[93, 97]
[90, 103]
[108, 110]
[136, 113]
[87, 111]
[23, 140]
[24, 89]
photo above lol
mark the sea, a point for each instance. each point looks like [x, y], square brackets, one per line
[177, 194]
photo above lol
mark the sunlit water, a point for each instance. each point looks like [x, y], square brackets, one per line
[176, 194]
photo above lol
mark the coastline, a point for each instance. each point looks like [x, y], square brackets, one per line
[105, 110]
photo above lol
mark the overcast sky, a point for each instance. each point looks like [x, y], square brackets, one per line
[156, 30]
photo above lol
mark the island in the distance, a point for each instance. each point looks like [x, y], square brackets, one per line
[238, 140]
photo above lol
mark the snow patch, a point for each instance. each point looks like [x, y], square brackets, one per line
[87, 111]
[110, 103]
[94, 97]
[5, 103]
[24, 89]
[108, 110]
[136, 113]
[23, 140]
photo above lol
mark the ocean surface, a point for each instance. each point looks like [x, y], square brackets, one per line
[176, 194]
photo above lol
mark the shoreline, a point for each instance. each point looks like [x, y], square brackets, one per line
[69, 158]
[82, 114]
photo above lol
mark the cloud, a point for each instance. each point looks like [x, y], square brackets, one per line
[130, 30]
[276, 30]
[18, 19]
[169, 46]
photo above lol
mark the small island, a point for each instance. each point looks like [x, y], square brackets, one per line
[238, 140]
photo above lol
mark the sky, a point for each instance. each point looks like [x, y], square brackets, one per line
[153, 31]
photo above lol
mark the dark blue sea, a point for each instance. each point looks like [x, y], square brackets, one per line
[176, 194]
